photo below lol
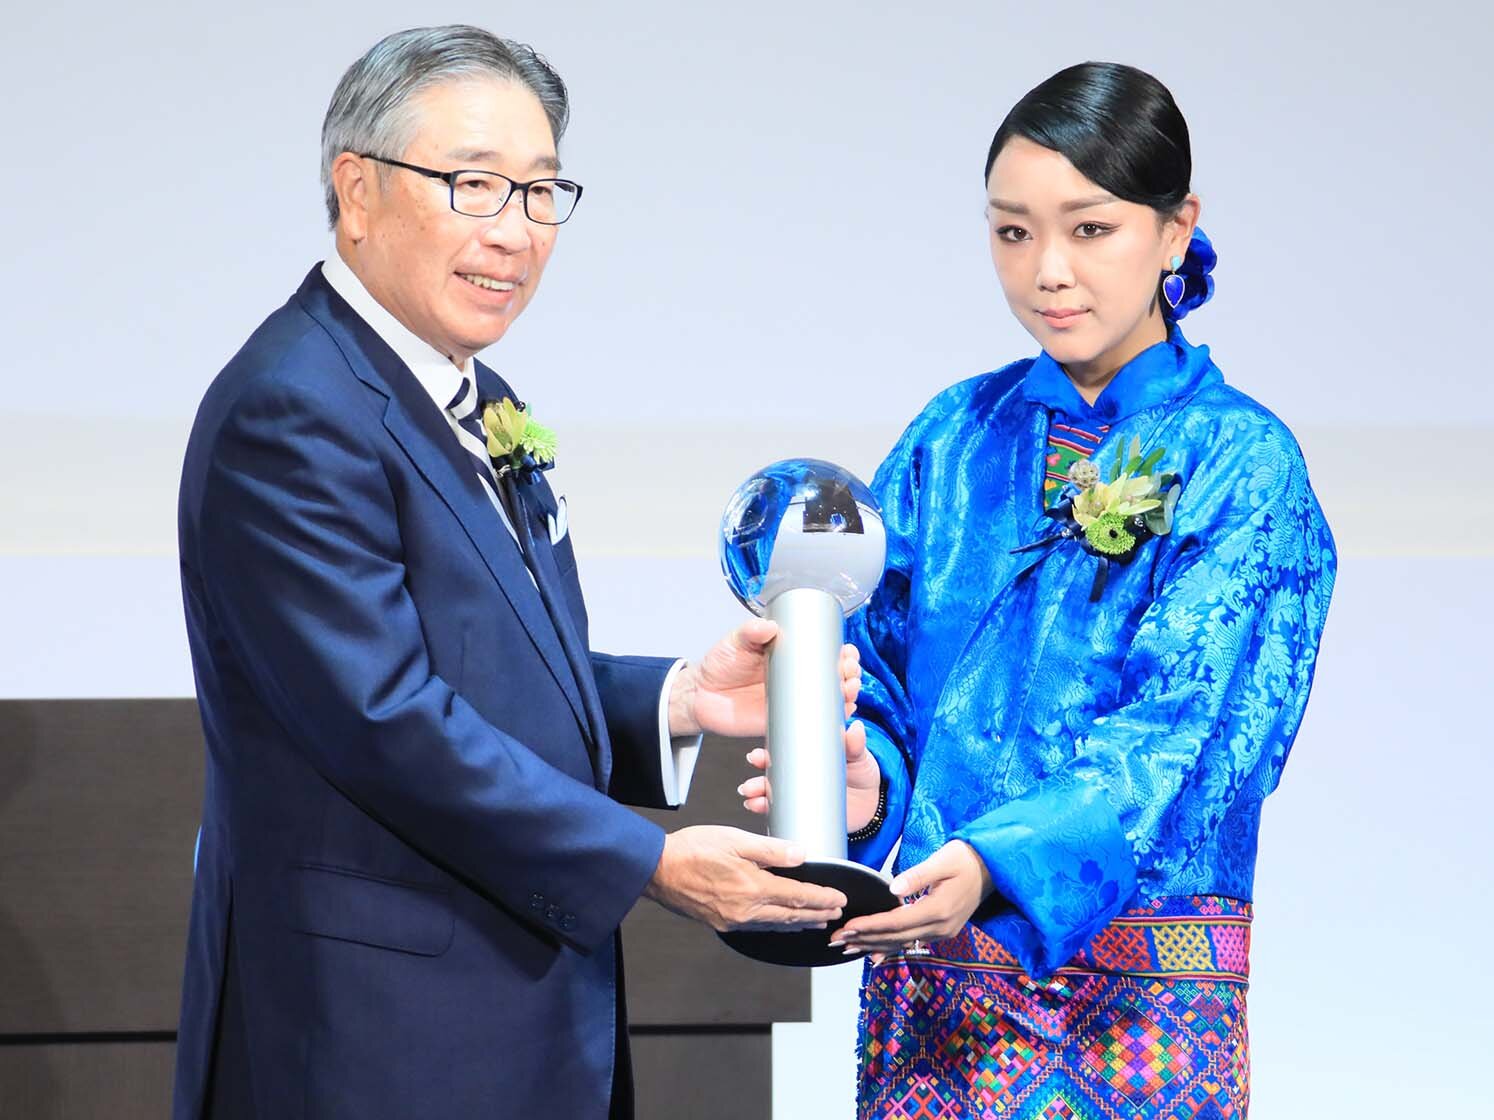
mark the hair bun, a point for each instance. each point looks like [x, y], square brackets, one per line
[1198, 285]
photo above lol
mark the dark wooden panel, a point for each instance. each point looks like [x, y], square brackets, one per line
[679, 971]
[86, 1081]
[726, 1076]
[723, 1076]
[99, 803]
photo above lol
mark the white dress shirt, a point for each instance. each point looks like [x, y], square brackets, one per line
[441, 380]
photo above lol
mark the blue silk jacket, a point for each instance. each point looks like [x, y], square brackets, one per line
[1092, 753]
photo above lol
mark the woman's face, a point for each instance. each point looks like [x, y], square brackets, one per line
[1078, 266]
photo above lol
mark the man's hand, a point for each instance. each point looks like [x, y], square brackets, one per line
[725, 692]
[953, 881]
[863, 780]
[715, 875]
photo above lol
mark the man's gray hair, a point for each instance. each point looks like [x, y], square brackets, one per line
[372, 109]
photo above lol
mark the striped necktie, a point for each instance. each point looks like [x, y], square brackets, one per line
[508, 495]
[474, 441]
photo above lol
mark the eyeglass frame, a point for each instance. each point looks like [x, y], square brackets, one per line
[450, 179]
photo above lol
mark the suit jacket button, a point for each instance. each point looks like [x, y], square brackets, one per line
[568, 922]
[536, 901]
[552, 913]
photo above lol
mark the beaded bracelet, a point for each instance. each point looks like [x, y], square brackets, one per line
[878, 818]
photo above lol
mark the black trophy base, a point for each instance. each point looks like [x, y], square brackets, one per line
[866, 893]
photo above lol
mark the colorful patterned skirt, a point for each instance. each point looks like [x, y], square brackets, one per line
[1146, 1023]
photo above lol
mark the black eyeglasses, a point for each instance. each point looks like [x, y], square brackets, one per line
[482, 194]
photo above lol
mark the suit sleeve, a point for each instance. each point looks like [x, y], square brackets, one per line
[300, 558]
[633, 702]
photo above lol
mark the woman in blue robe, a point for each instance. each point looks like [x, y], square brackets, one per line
[1077, 689]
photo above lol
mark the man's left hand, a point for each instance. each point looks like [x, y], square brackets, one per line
[725, 691]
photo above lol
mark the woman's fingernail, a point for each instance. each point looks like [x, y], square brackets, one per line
[837, 944]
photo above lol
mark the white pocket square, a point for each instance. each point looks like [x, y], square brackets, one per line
[559, 522]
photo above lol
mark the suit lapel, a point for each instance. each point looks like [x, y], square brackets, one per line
[415, 423]
[540, 502]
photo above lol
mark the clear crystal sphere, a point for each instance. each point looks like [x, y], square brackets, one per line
[802, 523]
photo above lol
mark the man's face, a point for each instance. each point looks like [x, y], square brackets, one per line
[457, 282]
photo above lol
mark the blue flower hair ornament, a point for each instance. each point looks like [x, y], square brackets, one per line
[1198, 285]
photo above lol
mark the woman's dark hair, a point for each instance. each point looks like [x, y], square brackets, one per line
[1118, 125]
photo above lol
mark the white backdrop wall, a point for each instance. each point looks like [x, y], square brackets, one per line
[781, 251]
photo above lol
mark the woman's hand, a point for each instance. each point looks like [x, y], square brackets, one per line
[863, 775]
[950, 884]
[863, 780]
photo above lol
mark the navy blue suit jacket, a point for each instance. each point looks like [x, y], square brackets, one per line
[413, 860]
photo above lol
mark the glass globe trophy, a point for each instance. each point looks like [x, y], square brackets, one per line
[802, 543]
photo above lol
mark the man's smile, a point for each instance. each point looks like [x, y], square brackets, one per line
[491, 283]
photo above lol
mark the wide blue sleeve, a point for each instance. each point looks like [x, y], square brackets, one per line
[300, 560]
[1212, 691]
[880, 633]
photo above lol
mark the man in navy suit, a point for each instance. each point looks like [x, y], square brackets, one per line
[413, 860]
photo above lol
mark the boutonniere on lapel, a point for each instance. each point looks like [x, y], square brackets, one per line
[1112, 520]
[516, 440]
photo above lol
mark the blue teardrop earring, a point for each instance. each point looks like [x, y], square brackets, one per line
[1173, 284]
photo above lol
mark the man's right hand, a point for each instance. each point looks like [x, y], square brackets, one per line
[715, 875]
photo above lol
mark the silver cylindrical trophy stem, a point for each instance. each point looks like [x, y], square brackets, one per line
[806, 724]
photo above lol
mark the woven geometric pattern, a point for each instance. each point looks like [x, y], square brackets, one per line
[1120, 949]
[1203, 936]
[1236, 1066]
[924, 1004]
[1137, 1057]
[922, 1099]
[1045, 1007]
[990, 1051]
[976, 1039]
[1061, 1107]
[1205, 1012]
[1231, 947]
[1183, 948]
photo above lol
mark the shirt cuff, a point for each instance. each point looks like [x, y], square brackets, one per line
[677, 755]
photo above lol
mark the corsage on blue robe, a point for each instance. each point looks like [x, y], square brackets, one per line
[1092, 753]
